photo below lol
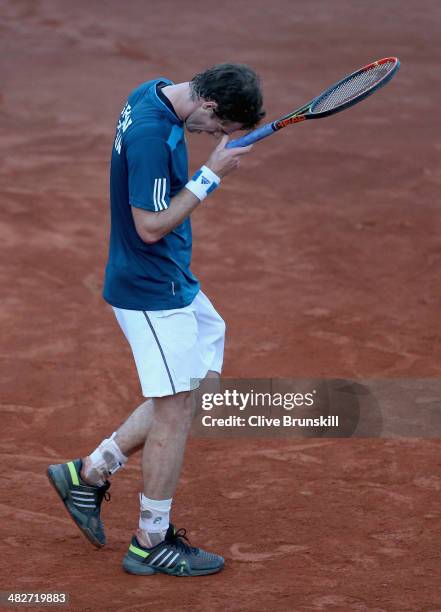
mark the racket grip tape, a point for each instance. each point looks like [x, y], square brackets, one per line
[254, 136]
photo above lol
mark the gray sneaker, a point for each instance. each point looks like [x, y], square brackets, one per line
[82, 501]
[172, 556]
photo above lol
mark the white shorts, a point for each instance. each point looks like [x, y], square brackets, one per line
[171, 347]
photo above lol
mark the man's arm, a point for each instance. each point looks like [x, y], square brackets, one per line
[152, 226]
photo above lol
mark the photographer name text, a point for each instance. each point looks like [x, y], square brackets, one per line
[258, 420]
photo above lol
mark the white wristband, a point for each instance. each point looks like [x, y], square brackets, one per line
[203, 182]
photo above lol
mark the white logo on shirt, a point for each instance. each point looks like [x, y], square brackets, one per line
[123, 123]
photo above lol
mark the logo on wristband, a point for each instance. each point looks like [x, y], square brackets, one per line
[204, 181]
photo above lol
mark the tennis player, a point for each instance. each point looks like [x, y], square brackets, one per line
[174, 331]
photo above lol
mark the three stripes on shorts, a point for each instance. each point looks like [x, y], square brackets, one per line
[159, 191]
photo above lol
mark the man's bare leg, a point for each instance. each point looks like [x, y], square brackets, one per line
[163, 452]
[131, 435]
[129, 438]
[164, 448]
[162, 458]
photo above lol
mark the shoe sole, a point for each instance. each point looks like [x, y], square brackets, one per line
[139, 569]
[58, 481]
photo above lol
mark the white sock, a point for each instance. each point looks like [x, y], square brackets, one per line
[154, 517]
[105, 460]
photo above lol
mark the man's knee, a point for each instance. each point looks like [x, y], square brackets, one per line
[212, 374]
[176, 408]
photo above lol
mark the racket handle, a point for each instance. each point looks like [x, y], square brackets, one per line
[254, 136]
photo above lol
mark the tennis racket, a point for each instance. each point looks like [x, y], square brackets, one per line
[349, 91]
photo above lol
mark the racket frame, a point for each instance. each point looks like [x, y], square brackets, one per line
[307, 110]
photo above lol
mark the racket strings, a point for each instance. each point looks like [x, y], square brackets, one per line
[352, 87]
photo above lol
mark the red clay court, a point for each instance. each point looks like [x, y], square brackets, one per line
[322, 253]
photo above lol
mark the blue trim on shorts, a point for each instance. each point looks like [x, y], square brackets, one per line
[161, 351]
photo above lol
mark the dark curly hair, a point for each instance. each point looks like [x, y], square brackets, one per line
[236, 90]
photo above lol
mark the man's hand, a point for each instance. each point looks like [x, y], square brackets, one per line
[222, 161]
[152, 226]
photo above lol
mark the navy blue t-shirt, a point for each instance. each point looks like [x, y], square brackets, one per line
[149, 166]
